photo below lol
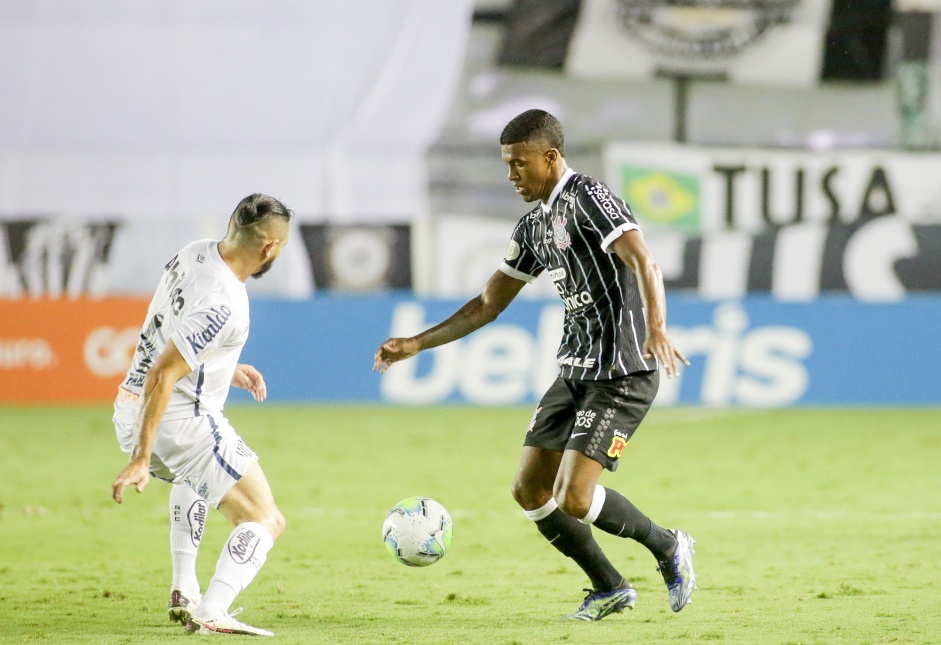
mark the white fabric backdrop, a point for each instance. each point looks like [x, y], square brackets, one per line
[165, 113]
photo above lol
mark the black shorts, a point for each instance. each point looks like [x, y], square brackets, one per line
[596, 418]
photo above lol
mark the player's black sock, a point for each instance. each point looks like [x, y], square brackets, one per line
[574, 540]
[619, 517]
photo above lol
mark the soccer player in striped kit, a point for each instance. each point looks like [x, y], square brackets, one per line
[614, 344]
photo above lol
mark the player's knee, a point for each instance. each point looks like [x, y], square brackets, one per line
[519, 492]
[528, 497]
[572, 502]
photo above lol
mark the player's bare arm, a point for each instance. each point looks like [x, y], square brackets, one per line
[248, 378]
[497, 294]
[633, 251]
[169, 368]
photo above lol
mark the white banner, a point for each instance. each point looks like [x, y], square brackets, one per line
[773, 42]
[699, 189]
[463, 251]
[163, 114]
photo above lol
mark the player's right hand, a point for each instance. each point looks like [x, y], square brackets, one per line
[392, 351]
[136, 473]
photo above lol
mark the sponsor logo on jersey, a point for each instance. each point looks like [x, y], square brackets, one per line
[604, 198]
[577, 361]
[242, 546]
[584, 418]
[561, 236]
[618, 444]
[558, 274]
[217, 320]
[514, 251]
[576, 300]
[137, 380]
[126, 396]
[568, 197]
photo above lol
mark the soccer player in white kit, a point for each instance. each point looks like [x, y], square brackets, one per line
[168, 412]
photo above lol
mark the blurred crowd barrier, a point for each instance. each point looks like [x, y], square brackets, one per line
[752, 352]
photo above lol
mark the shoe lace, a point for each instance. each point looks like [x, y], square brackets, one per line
[236, 612]
[667, 570]
[588, 594]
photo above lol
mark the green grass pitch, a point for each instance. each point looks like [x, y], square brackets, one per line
[812, 526]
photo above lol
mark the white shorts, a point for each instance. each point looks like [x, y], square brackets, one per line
[203, 452]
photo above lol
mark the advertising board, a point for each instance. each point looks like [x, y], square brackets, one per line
[754, 352]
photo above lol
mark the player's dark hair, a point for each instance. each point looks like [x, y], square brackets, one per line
[250, 216]
[257, 207]
[533, 125]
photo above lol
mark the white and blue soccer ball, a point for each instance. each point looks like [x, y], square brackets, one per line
[417, 531]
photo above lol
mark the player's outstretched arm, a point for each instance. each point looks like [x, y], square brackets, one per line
[498, 293]
[169, 368]
[248, 378]
[633, 251]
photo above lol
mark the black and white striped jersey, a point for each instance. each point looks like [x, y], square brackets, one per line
[571, 237]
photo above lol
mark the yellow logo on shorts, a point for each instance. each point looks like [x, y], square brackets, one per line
[618, 444]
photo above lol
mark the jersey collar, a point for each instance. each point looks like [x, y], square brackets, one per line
[558, 189]
[216, 258]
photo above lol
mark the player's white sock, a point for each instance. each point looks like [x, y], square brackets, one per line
[188, 513]
[242, 556]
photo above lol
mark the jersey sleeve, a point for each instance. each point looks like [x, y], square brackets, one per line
[607, 215]
[520, 261]
[204, 329]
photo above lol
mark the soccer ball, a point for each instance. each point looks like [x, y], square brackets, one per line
[417, 531]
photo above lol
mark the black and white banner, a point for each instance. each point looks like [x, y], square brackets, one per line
[879, 259]
[359, 258]
[55, 257]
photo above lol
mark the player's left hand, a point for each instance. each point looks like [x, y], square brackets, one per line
[136, 473]
[659, 344]
[248, 378]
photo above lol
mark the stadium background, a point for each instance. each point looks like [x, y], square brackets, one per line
[783, 161]
[784, 157]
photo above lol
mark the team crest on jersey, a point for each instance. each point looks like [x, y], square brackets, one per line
[562, 238]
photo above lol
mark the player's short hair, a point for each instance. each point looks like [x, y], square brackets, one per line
[254, 211]
[533, 125]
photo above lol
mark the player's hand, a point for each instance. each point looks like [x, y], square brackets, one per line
[659, 344]
[393, 351]
[136, 473]
[248, 378]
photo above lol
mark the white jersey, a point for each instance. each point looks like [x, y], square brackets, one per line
[203, 308]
